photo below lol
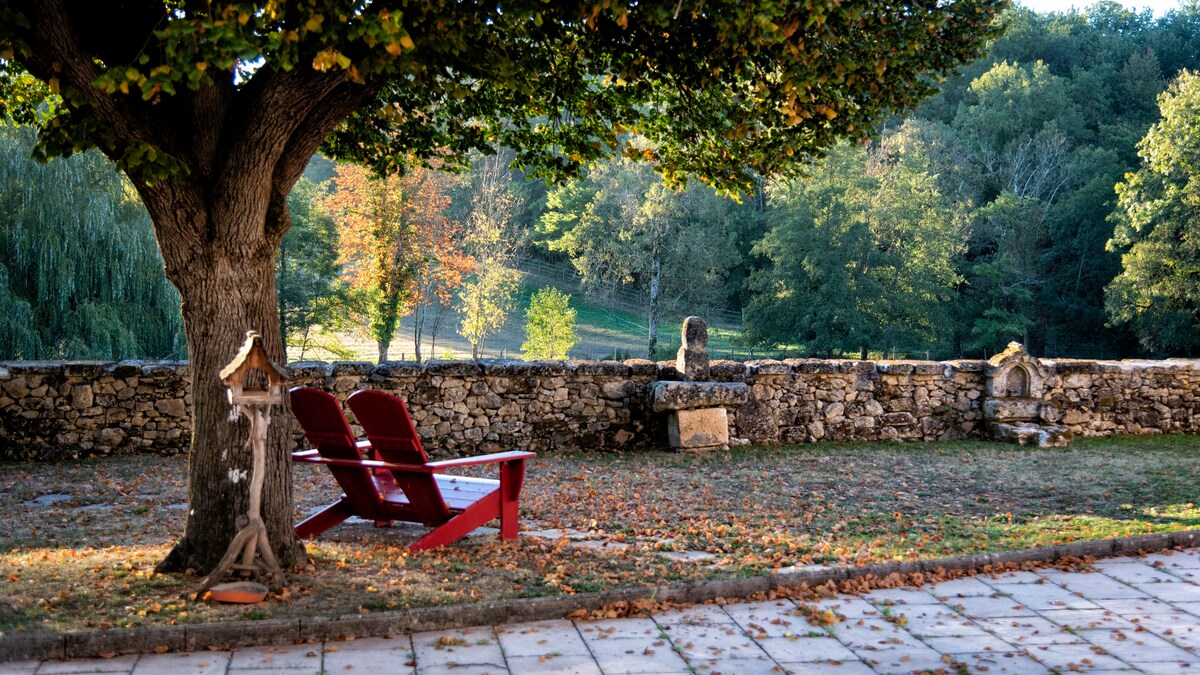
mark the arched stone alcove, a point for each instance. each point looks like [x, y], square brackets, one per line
[1013, 407]
[1017, 383]
[1014, 374]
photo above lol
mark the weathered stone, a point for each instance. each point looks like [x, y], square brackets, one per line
[1075, 417]
[352, 368]
[768, 367]
[606, 405]
[307, 370]
[666, 396]
[81, 396]
[16, 388]
[698, 429]
[816, 366]
[124, 369]
[453, 368]
[864, 422]
[816, 430]
[897, 419]
[666, 370]
[171, 406]
[728, 371]
[605, 368]
[641, 368]
[1008, 410]
[895, 368]
[692, 358]
[110, 437]
[759, 422]
[1023, 433]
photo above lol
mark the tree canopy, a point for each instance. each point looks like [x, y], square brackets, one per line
[1158, 291]
[718, 87]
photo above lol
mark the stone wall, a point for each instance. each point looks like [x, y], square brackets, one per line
[61, 410]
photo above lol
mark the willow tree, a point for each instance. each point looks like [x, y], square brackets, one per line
[213, 108]
[80, 275]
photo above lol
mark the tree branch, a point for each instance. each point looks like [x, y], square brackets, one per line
[59, 51]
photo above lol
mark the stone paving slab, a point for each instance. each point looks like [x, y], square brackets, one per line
[1129, 615]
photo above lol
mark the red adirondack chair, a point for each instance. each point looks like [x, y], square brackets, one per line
[399, 482]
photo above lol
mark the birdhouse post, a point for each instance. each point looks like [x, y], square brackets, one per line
[255, 385]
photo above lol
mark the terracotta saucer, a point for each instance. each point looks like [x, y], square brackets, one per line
[238, 591]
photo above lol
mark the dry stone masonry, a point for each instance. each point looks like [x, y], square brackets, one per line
[63, 410]
[1014, 408]
[696, 417]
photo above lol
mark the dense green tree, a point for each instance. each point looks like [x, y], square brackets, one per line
[549, 326]
[1032, 140]
[860, 255]
[622, 227]
[215, 109]
[314, 302]
[1158, 228]
[80, 277]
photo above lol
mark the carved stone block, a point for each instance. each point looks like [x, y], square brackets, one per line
[694, 430]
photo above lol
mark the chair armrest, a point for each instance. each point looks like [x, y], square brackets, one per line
[509, 456]
[308, 455]
[364, 464]
[432, 467]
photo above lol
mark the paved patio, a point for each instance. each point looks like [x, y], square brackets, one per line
[1131, 615]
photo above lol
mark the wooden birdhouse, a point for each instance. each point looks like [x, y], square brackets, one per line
[246, 388]
[255, 384]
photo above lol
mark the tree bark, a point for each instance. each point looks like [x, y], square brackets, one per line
[383, 350]
[655, 286]
[223, 297]
[418, 326]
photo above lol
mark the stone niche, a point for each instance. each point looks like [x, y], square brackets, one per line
[1013, 406]
[696, 417]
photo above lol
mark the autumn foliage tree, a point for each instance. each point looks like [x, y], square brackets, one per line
[486, 300]
[397, 248]
[441, 269]
[214, 109]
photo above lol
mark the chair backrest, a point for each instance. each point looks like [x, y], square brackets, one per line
[321, 417]
[389, 427]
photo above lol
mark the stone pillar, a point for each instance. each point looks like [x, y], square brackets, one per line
[692, 358]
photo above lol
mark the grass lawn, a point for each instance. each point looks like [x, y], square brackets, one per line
[78, 541]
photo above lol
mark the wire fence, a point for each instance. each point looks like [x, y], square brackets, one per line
[617, 296]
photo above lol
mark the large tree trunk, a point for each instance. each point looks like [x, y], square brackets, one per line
[228, 288]
[383, 349]
[229, 150]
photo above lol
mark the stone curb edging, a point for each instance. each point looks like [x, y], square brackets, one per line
[29, 646]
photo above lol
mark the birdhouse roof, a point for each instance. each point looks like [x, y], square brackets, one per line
[252, 355]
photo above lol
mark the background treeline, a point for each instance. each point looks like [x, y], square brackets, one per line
[1000, 210]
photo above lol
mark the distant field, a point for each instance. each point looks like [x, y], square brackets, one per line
[605, 329]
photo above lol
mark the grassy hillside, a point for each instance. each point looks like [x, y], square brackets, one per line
[613, 327]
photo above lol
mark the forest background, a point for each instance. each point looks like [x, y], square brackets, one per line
[1047, 195]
